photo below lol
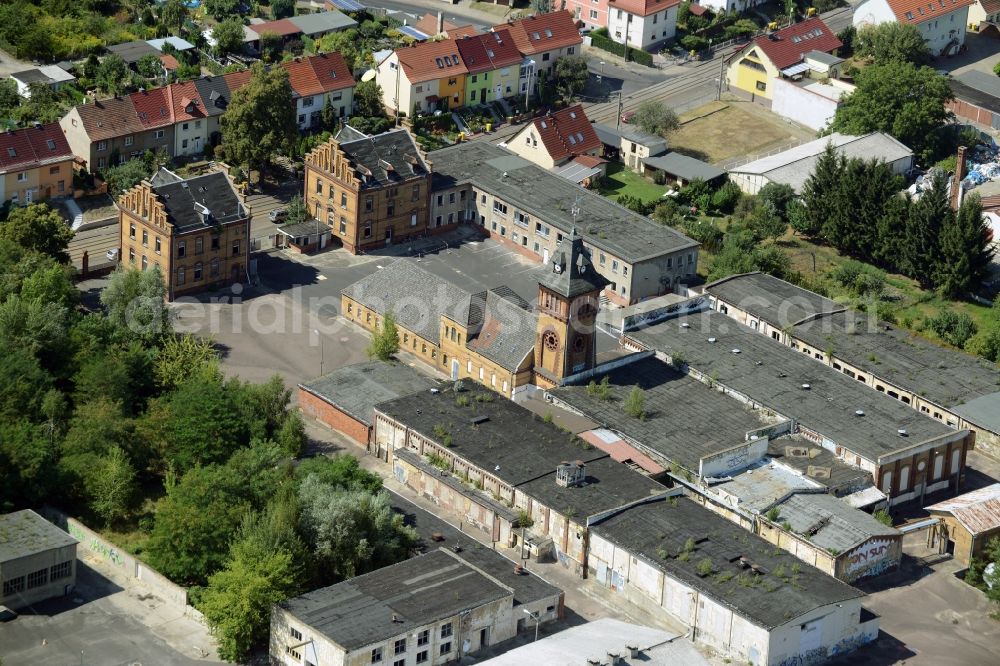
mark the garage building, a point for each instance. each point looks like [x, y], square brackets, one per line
[37, 559]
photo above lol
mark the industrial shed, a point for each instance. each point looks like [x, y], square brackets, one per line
[968, 522]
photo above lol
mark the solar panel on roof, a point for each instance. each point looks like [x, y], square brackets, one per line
[410, 31]
[348, 5]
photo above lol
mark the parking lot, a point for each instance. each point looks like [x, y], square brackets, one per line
[104, 625]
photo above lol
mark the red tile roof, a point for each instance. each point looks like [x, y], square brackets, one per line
[484, 53]
[33, 147]
[282, 27]
[589, 161]
[331, 71]
[152, 107]
[786, 47]
[918, 11]
[428, 61]
[566, 133]
[990, 6]
[643, 7]
[543, 32]
[462, 31]
[185, 101]
[302, 78]
[427, 24]
[170, 62]
[108, 118]
[699, 10]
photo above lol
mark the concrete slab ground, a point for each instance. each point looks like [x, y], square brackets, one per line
[105, 625]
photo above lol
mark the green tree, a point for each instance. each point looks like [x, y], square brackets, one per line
[173, 13]
[123, 177]
[9, 99]
[329, 117]
[899, 98]
[821, 191]
[541, 6]
[259, 123]
[920, 251]
[237, 602]
[291, 436]
[776, 198]
[113, 75]
[348, 44]
[353, 532]
[885, 42]
[385, 339]
[38, 227]
[296, 209]
[203, 424]
[181, 357]
[271, 45]
[228, 36]
[23, 383]
[891, 231]
[52, 284]
[654, 117]
[114, 487]
[368, 99]
[343, 472]
[27, 464]
[965, 250]
[134, 303]
[220, 9]
[149, 66]
[571, 76]
[282, 8]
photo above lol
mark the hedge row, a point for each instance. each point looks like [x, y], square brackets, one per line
[606, 44]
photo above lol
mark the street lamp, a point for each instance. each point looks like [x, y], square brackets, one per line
[322, 350]
[527, 93]
[534, 616]
[601, 77]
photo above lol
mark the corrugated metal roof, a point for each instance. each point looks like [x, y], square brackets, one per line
[978, 511]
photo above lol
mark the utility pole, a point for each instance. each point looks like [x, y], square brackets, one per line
[722, 75]
[621, 106]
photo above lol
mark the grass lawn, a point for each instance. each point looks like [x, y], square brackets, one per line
[622, 180]
[718, 132]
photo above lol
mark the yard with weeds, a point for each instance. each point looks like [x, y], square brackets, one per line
[622, 180]
[721, 131]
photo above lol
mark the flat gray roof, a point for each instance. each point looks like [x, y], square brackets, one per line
[685, 420]
[983, 411]
[944, 376]
[817, 464]
[773, 375]
[762, 485]
[311, 24]
[25, 533]
[549, 197]
[520, 448]
[771, 299]
[658, 530]
[829, 522]
[613, 135]
[356, 389]
[416, 592]
[684, 167]
[432, 533]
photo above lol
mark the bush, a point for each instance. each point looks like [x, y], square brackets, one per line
[954, 328]
[604, 43]
[694, 43]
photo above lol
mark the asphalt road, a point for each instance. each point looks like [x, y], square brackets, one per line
[96, 242]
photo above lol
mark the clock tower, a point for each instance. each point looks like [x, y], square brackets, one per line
[568, 301]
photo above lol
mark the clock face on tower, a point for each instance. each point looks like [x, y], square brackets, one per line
[551, 341]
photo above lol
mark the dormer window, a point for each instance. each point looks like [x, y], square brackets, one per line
[548, 33]
[189, 108]
[535, 35]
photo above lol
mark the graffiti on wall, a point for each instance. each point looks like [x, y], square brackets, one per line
[100, 547]
[870, 559]
[732, 459]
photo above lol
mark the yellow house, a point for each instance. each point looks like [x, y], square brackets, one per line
[781, 53]
[35, 163]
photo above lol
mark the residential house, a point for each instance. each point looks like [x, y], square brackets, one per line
[132, 52]
[642, 24]
[431, 609]
[793, 167]
[37, 560]
[493, 64]
[942, 23]
[196, 232]
[720, 6]
[104, 133]
[898, 446]
[967, 523]
[423, 77]
[284, 29]
[35, 163]
[542, 39]
[190, 119]
[780, 53]
[904, 366]
[317, 80]
[372, 191]
[983, 11]
[559, 139]
[531, 210]
[155, 115]
[52, 76]
[215, 95]
[671, 556]
[629, 145]
[591, 13]
[435, 25]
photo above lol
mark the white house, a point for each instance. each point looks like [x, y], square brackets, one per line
[941, 22]
[808, 102]
[718, 6]
[642, 23]
[52, 76]
[984, 11]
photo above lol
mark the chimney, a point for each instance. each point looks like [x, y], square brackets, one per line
[440, 23]
[956, 183]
